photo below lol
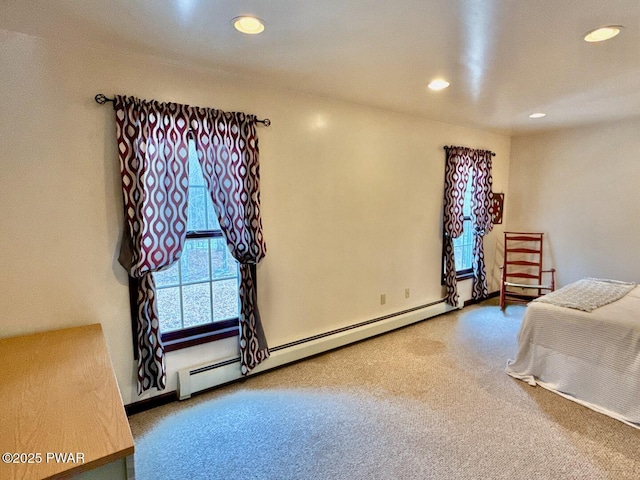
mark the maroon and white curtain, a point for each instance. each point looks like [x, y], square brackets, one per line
[460, 163]
[227, 147]
[481, 218]
[153, 150]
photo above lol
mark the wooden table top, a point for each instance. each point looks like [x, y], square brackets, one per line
[58, 395]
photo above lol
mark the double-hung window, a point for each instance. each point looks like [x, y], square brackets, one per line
[463, 245]
[197, 296]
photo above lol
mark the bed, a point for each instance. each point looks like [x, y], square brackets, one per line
[585, 351]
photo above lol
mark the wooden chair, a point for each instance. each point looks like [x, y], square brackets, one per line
[522, 269]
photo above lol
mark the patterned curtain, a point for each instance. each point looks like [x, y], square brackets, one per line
[481, 215]
[456, 175]
[227, 148]
[153, 151]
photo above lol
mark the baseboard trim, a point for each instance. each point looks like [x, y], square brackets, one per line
[473, 301]
[149, 403]
[205, 376]
[282, 350]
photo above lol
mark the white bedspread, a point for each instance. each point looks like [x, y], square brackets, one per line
[590, 358]
[588, 294]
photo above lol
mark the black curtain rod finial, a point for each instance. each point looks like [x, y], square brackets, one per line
[101, 98]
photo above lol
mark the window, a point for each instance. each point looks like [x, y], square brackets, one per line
[463, 245]
[198, 295]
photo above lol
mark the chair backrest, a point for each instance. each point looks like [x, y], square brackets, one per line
[523, 257]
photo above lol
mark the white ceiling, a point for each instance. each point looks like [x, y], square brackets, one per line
[504, 58]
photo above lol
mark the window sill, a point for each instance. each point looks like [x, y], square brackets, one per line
[464, 275]
[178, 340]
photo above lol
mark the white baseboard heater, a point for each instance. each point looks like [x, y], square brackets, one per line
[204, 377]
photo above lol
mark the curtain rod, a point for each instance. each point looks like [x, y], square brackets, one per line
[447, 147]
[101, 98]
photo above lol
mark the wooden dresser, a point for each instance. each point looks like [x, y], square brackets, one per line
[61, 413]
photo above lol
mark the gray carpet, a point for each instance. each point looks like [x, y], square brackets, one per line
[427, 401]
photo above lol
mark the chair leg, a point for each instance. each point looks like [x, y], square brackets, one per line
[502, 287]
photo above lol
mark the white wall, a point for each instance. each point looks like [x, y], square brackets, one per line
[352, 198]
[581, 187]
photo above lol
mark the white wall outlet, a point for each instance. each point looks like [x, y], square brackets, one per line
[383, 298]
[407, 292]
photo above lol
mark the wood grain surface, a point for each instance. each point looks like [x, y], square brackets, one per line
[58, 395]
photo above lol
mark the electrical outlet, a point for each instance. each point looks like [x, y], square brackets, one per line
[383, 298]
[407, 292]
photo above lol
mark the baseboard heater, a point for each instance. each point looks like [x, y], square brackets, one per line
[204, 377]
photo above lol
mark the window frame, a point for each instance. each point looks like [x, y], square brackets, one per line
[465, 273]
[185, 337]
[206, 332]
[195, 335]
[460, 274]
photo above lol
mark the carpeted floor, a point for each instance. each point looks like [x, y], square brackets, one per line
[430, 401]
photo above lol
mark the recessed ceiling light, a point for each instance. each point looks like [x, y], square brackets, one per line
[438, 84]
[537, 115]
[603, 33]
[248, 25]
